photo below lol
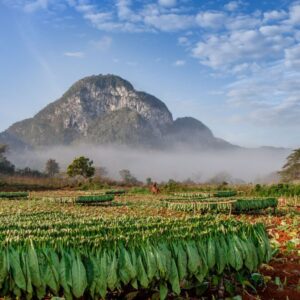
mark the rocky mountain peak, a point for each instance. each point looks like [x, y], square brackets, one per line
[106, 109]
[94, 96]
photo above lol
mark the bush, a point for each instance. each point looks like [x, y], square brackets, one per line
[94, 199]
[277, 190]
[13, 195]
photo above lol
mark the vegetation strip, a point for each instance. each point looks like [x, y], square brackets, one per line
[246, 205]
[91, 257]
[225, 194]
[243, 205]
[94, 199]
[13, 195]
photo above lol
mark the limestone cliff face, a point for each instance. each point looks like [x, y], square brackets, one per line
[106, 109]
[95, 96]
[89, 100]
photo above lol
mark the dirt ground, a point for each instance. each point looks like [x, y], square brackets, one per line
[282, 274]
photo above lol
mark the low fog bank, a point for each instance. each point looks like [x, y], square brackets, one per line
[244, 164]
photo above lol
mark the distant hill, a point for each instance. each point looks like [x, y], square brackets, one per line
[106, 109]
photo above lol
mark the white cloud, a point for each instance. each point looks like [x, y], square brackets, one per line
[124, 11]
[98, 17]
[244, 68]
[211, 19]
[74, 54]
[169, 22]
[35, 5]
[107, 21]
[103, 21]
[271, 96]
[273, 30]
[295, 14]
[292, 57]
[179, 63]
[147, 18]
[167, 3]
[232, 5]
[274, 15]
[243, 22]
[183, 41]
[229, 38]
[84, 8]
[237, 43]
[104, 43]
[237, 47]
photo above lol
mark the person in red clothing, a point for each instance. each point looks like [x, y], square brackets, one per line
[154, 188]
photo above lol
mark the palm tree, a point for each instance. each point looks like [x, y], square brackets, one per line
[291, 170]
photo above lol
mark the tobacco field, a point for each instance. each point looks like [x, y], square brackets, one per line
[117, 245]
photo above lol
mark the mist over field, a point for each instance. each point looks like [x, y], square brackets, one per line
[245, 164]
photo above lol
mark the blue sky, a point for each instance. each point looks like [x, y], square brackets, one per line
[234, 65]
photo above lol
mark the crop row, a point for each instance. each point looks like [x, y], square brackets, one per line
[246, 205]
[13, 195]
[90, 257]
[197, 199]
[192, 195]
[221, 205]
[225, 194]
[54, 228]
[218, 194]
[200, 206]
[95, 199]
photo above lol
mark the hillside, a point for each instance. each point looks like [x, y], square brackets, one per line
[106, 109]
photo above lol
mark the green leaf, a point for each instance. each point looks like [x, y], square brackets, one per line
[79, 280]
[174, 279]
[102, 283]
[3, 267]
[16, 270]
[211, 253]
[163, 291]
[141, 274]
[112, 267]
[34, 267]
[125, 267]
[193, 257]
[27, 274]
[181, 262]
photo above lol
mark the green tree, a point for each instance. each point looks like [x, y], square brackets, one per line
[52, 167]
[291, 170]
[28, 172]
[148, 181]
[127, 177]
[6, 167]
[81, 166]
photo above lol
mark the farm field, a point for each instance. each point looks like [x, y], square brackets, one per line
[93, 245]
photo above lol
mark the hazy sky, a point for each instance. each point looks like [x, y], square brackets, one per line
[235, 65]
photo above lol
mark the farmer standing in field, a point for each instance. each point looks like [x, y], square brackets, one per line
[154, 188]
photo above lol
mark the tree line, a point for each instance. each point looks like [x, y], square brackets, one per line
[80, 166]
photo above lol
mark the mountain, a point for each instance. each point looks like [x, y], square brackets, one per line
[106, 109]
